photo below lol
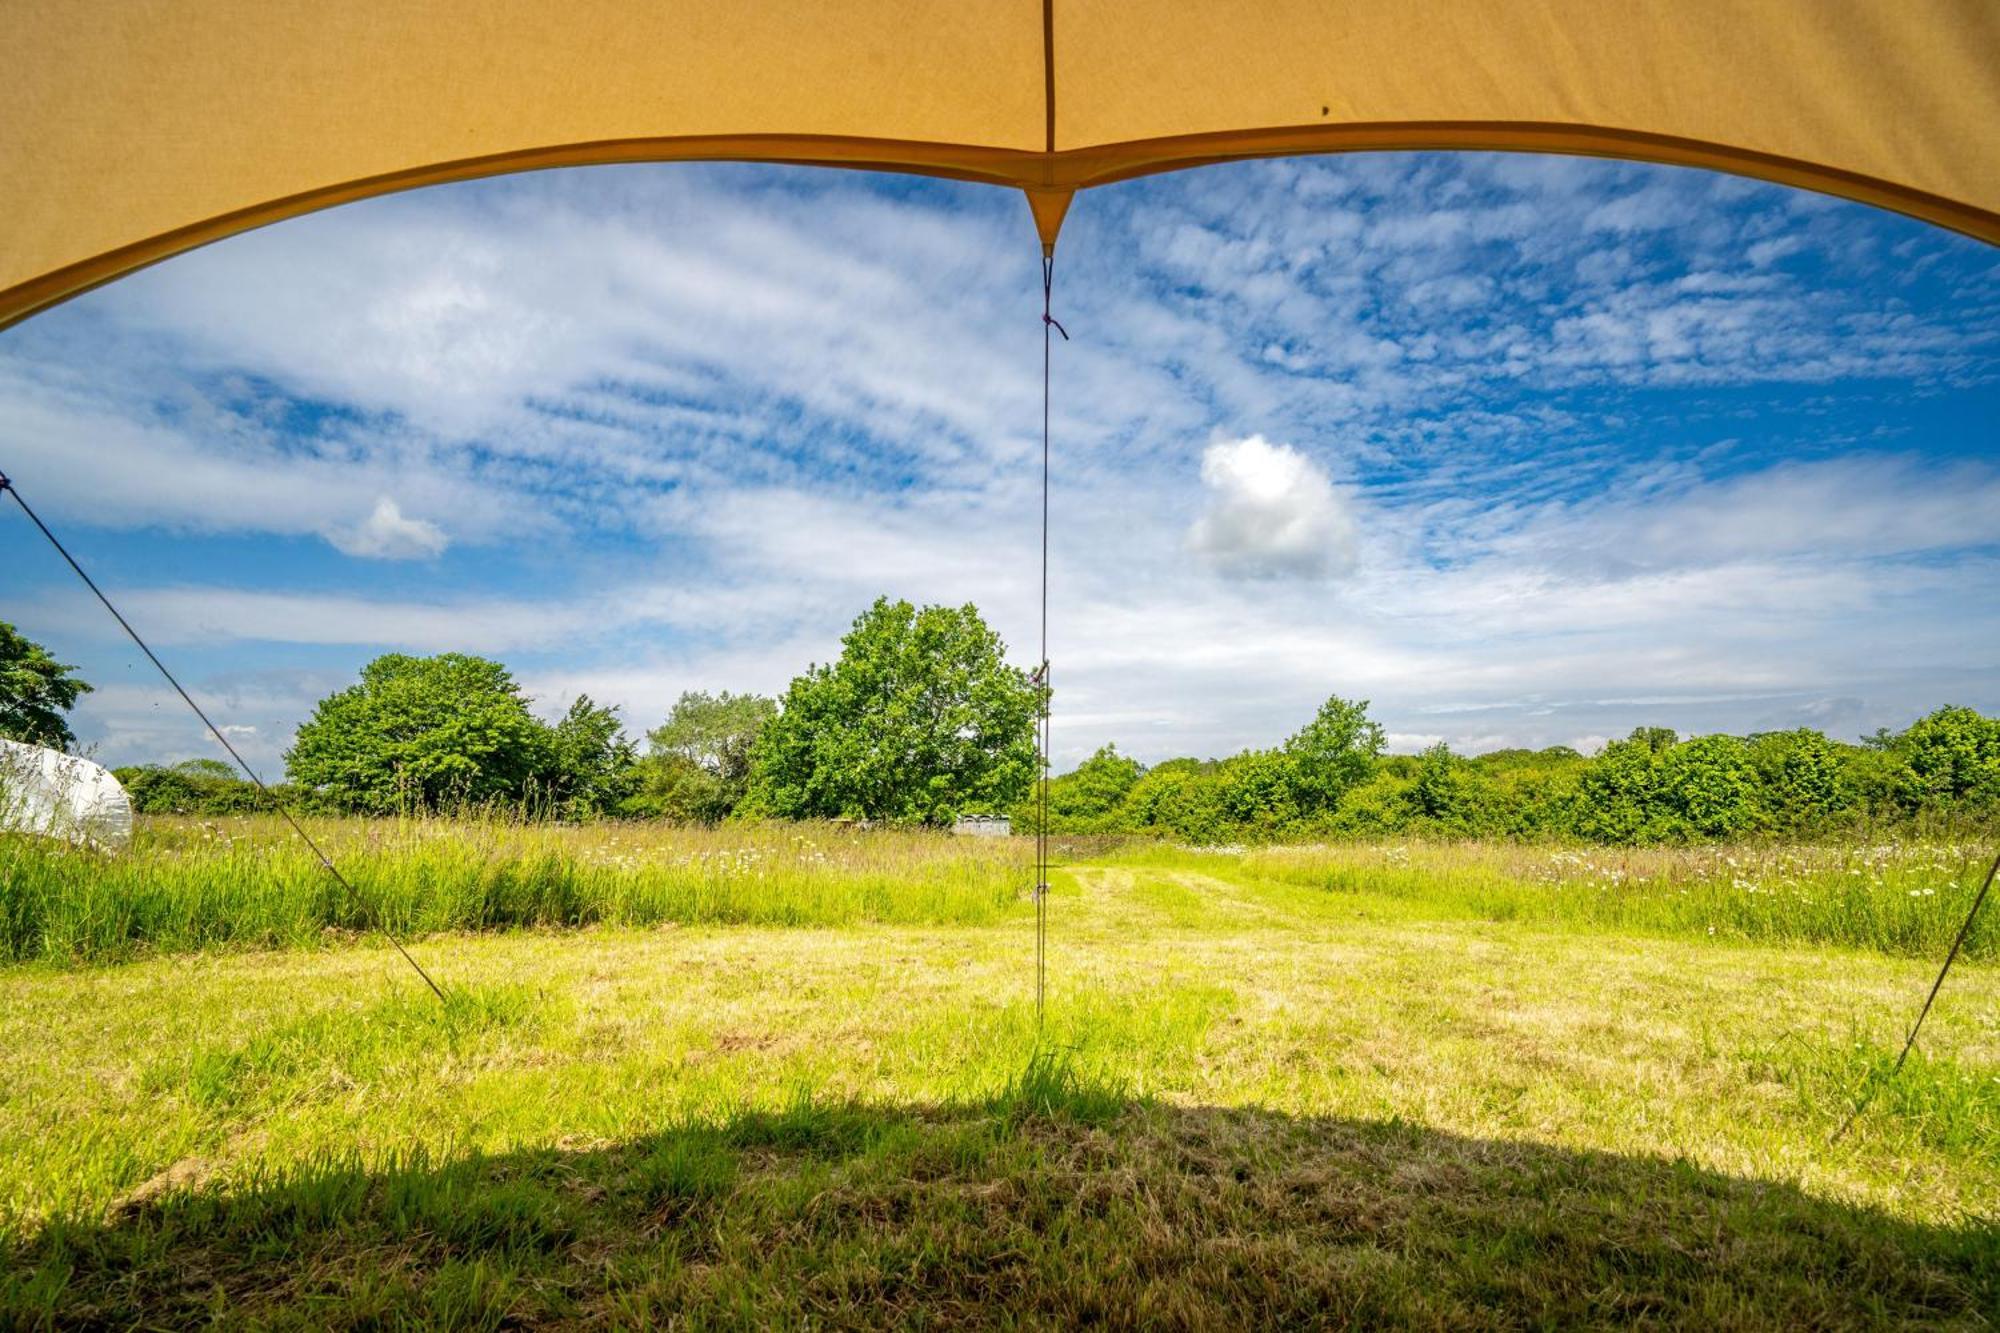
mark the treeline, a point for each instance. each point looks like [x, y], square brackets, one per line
[420, 735]
[920, 719]
[1333, 781]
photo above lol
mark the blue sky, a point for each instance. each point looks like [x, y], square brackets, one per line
[1526, 450]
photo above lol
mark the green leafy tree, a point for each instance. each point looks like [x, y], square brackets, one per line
[1183, 799]
[424, 733]
[1876, 776]
[1658, 740]
[1801, 780]
[1618, 792]
[1707, 788]
[1258, 793]
[1451, 796]
[1950, 757]
[670, 787]
[1332, 754]
[213, 769]
[698, 765]
[1533, 793]
[1651, 787]
[1377, 808]
[1088, 799]
[1438, 793]
[35, 692]
[1654, 788]
[192, 787]
[919, 720]
[590, 761]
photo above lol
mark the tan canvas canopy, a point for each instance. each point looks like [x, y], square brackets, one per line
[130, 130]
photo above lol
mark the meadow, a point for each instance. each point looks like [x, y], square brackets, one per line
[249, 881]
[794, 1074]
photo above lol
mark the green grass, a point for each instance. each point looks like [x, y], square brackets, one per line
[250, 882]
[1905, 898]
[1254, 1100]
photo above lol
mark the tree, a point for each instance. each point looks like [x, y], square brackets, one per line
[919, 720]
[1652, 787]
[1950, 757]
[1332, 753]
[1379, 807]
[1708, 787]
[1087, 799]
[192, 787]
[698, 765]
[1618, 792]
[35, 692]
[1658, 740]
[1444, 791]
[1529, 793]
[590, 761]
[1183, 797]
[1800, 778]
[1259, 794]
[215, 770]
[424, 733]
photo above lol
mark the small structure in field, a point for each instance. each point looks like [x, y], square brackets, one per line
[983, 826]
[58, 795]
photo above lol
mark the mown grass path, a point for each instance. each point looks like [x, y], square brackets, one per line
[1256, 1101]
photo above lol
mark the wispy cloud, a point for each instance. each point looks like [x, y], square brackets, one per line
[1510, 445]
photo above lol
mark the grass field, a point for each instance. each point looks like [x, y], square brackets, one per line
[251, 882]
[1437, 1086]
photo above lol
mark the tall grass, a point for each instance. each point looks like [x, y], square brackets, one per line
[1904, 898]
[250, 882]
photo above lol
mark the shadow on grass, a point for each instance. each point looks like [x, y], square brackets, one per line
[1057, 1203]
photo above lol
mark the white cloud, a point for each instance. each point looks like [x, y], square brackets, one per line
[1272, 513]
[211, 615]
[386, 534]
[679, 424]
[162, 456]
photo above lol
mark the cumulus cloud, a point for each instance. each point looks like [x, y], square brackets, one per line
[388, 534]
[1272, 514]
[693, 418]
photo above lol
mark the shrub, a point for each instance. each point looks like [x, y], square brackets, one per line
[1707, 788]
[1618, 794]
[698, 768]
[1088, 799]
[1951, 756]
[1801, 780]
[194, 787]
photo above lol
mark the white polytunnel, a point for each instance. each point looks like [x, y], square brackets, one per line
[57, 795]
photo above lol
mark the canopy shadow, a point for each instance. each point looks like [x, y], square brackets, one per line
[1057, 1204]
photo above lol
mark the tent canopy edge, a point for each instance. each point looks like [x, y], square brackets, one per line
[1046, 177]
